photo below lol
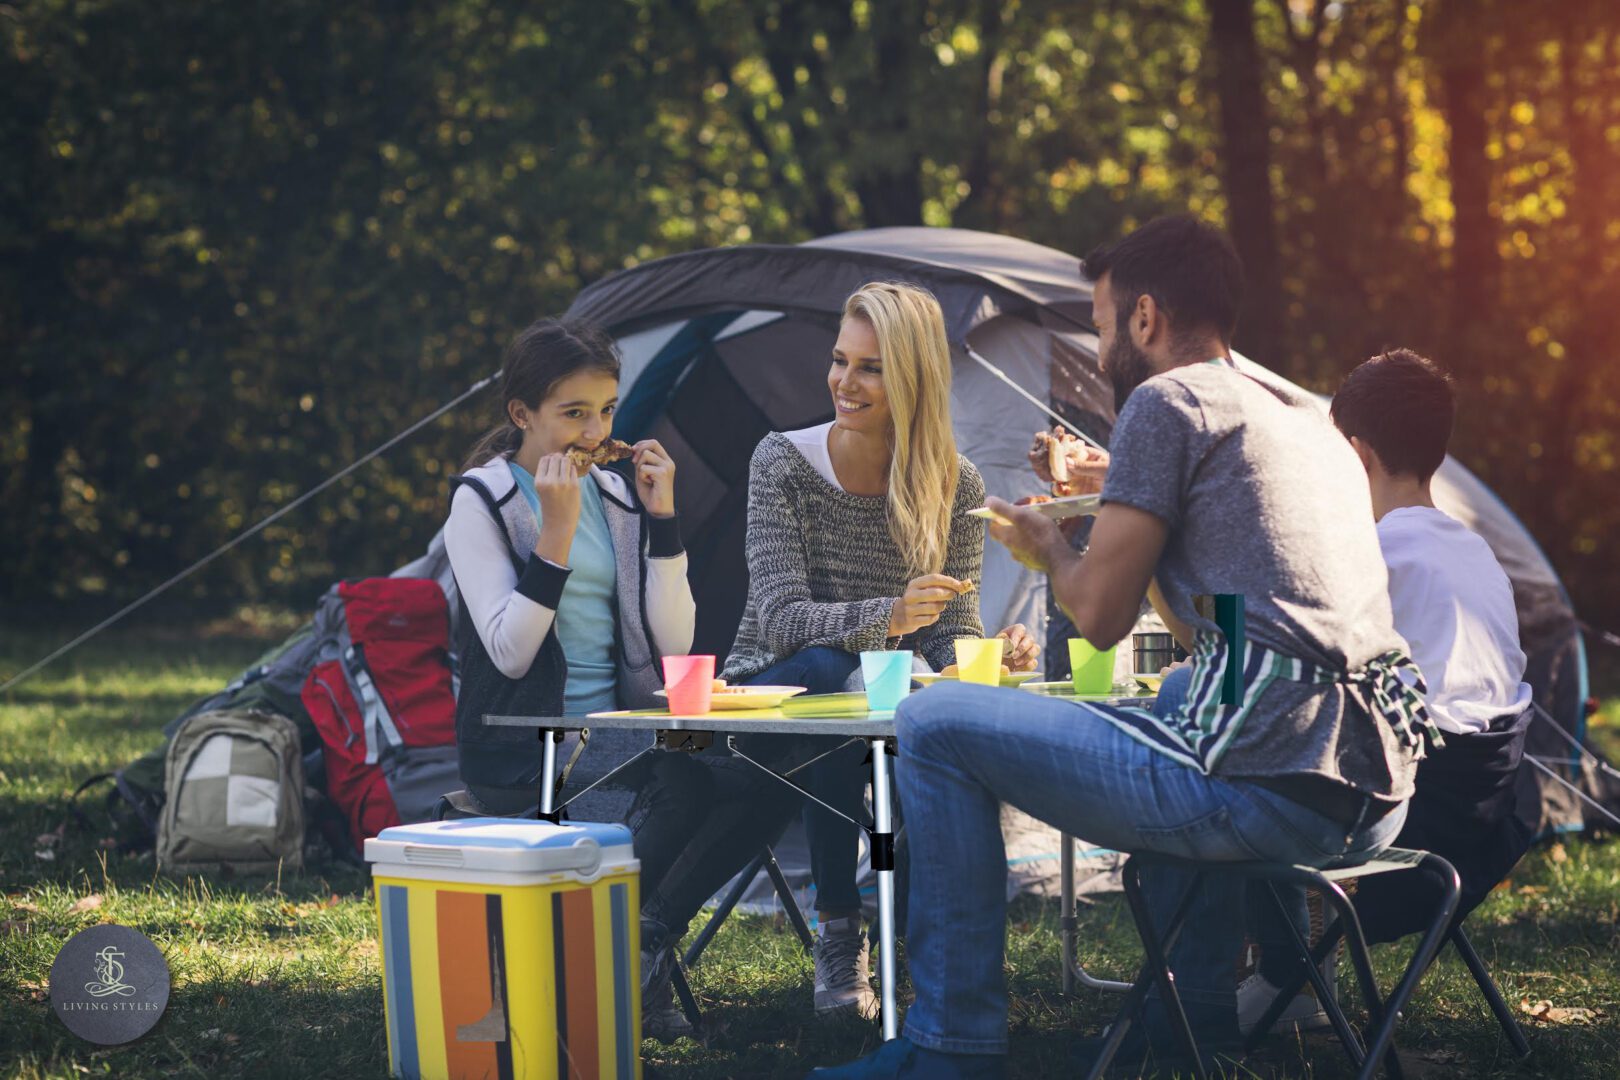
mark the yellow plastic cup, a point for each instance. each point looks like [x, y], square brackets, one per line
[978, 660]
[1092, 669]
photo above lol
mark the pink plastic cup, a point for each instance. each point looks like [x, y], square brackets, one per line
[689, 684]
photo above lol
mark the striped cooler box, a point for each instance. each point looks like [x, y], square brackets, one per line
[510, 949]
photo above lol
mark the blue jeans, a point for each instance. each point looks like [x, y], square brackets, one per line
[966, 749]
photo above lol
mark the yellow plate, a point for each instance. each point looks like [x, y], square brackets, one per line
[748, 697]
[1151, 682]
[1017, 678]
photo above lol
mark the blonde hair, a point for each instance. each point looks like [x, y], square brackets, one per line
[910, 331]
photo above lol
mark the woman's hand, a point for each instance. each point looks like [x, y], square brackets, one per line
[1021, 649]
[921, 603]
[556, 481]
[655, 478]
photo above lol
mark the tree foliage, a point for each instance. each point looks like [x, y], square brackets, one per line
[243, 245]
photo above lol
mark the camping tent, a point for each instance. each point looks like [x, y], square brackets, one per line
[724, 345]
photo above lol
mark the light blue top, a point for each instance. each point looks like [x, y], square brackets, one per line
[585, 621]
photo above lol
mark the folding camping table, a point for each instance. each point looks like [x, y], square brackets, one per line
[696, 733]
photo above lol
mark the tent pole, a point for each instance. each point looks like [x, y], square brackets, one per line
[1031, 398]
[252, 531]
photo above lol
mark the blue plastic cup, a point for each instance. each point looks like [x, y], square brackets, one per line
[888, 678]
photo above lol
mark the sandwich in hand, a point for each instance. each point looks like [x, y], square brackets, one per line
[606, 452]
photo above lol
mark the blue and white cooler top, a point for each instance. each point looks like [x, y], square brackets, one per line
[504, 851]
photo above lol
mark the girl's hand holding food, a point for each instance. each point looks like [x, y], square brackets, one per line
[556, 482]
[655, 478]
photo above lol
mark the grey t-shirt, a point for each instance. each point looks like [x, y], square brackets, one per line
[1265, 499]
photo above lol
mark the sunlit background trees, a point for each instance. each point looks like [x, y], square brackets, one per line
[243, 244]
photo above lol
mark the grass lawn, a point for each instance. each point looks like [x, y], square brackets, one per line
[282, 979]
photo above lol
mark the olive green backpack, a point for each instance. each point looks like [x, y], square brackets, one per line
[233, 794]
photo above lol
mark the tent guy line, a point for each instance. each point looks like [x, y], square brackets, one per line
[1578, 793]
[251, 531]
[1597, 762]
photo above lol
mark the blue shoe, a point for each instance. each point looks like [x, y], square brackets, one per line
[902, 1058]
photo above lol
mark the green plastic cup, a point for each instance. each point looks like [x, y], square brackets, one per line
[1092, 669]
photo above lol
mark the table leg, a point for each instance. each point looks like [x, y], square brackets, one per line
[548, 775]
[1066, 917]
[883, 863]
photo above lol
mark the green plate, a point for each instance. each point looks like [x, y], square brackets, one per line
[853, 704]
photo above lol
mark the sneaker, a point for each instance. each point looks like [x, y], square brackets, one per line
[1255, 995]
[844, 970]
[661, 1015]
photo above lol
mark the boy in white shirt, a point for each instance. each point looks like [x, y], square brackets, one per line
[1454, 606]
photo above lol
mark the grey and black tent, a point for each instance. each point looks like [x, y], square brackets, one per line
[724, 345]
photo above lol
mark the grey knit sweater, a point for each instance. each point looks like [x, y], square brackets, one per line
[823, 569]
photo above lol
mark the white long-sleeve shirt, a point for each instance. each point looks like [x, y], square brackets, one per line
[511, 622]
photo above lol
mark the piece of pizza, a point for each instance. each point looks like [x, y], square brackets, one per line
[606, 452]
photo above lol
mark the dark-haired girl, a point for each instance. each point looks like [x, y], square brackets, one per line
[572, 578]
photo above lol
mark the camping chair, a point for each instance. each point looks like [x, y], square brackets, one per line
[765, 860]
[1382, 1013]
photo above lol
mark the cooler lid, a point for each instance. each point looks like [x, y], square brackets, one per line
[507, 845]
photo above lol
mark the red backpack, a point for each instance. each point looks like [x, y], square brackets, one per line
[386, 708]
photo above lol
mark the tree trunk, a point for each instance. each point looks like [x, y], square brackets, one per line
[1245, 132]
[1566, 413]
[1476, 266]
[888, 179]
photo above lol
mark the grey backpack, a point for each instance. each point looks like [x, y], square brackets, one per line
[233, 794]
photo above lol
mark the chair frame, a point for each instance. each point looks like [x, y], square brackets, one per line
[1383, 1013]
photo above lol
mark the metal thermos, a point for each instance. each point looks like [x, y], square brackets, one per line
[1152, 653]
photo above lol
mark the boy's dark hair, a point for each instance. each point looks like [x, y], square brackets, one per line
[1188, 266]
[1401, 405]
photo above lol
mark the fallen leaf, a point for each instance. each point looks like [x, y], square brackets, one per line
[107, 843]
[45, 855]
[89, 903]
[26, 905]
[13, 926]
[1548, 1013]
[1558, 854]
[52, 838]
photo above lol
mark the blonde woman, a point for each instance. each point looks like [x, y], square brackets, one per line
[858, 538]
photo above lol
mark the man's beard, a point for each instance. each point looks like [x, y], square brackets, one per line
[1127, 367]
